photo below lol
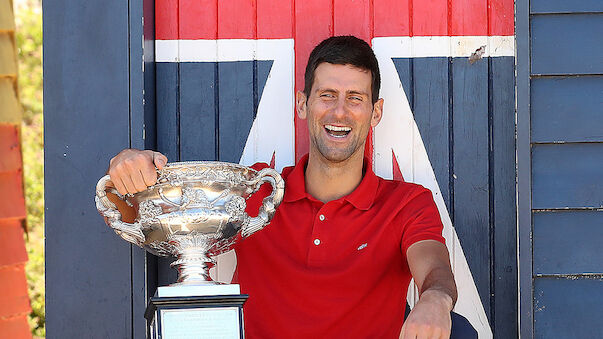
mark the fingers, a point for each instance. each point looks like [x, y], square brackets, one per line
[132, 171]
[159, 159]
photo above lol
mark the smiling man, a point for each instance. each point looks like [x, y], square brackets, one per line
[344, 244]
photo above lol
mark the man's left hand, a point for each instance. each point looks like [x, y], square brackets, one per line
[430, 318]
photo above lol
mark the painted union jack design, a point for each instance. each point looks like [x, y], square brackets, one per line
[235, 66]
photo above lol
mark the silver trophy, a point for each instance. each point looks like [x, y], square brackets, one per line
[195, 211]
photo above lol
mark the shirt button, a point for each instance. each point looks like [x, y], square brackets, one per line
[322, 218]
[317, 242]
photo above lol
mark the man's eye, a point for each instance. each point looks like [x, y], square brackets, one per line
[356, 98]
[327, 95]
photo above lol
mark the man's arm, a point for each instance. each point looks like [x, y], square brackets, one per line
[430, 267]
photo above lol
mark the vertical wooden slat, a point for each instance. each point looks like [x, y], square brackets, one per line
[468, 17]
[267, 26]
[197, 19]
[505, 219]
[500, 17]
[430, 17]
[430, 98]
[235, 105]
[314, 23]
[470, 171]
[353, 18]
[86, 105]
[237, 19]
[391, 18]
[167, 109]
[197, 111]
[166, 19]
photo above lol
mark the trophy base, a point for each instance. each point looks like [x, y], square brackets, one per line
[206, 311]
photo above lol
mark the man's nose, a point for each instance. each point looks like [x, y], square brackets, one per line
[340, 108]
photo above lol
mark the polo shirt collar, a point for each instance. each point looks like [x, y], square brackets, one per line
[362, 197]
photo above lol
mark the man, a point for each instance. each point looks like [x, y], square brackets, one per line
[340, 251]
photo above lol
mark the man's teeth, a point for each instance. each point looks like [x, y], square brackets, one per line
[338, 128]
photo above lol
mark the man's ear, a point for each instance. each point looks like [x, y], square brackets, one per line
[301, 104]
[377, 112]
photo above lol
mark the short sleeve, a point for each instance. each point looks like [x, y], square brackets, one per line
[420, 219]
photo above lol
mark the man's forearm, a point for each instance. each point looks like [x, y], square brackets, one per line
[440, 280]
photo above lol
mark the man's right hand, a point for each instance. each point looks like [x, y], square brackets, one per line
[132, 170]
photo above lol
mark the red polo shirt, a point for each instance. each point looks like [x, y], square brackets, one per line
[334, 270]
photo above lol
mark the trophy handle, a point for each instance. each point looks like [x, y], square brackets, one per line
[129, 232]
[269, 204]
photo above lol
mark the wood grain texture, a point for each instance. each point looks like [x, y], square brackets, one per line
[430, 107]
[198, 126]
[568, 242]
[568, 307]
[567, 175]
[391, 18]
[504, 213]
[470, 168]
[562, 6]
[567, 109]
[567, 44]
[86, 105]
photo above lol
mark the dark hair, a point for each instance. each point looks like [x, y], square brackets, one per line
[344, 50]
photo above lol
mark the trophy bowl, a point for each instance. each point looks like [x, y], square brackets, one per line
[195, 211]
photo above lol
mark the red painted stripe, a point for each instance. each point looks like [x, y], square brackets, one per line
[15, 327]
[268, 19]
[391, 18]
[166, 19]
[14, 298]
[11, 188]
[198, 19]
[237, 19]
[501, 14]
[397, 173]
[275, 19]
[353, 17]
[314, 23]
[468, 17]
[430, 17]
[10, 148]
[12, 245]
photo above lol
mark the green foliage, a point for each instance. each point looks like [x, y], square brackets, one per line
[28, 17]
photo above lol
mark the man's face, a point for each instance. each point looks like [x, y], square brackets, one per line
[339, 111]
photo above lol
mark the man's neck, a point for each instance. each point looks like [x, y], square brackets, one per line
[327, 181]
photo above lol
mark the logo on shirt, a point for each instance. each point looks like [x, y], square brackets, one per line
[363, 246]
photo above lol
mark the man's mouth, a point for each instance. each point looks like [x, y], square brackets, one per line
[337, 131]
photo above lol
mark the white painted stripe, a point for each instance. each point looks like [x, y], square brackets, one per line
[166, 50]
[401, 47]
[445, 46]
[218, 50]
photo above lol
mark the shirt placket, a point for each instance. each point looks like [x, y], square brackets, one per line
[319, 242]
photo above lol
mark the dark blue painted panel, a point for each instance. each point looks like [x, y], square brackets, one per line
[568, 242]
[198, 111]
[167, 110]
[567, 175]
[504, 214]
[470, 168]
[567, 44]
[425, 82]
[86, 106]
[565, 6]
[238, 95]
[404, 67]
[568, 308]
[567, 109]
[430, 97]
